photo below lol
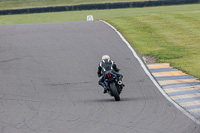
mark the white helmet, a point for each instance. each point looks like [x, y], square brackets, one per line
[104, 57]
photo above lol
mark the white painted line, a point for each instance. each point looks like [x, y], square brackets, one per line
[151, 77]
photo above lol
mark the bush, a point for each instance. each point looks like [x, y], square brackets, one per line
[98, 6]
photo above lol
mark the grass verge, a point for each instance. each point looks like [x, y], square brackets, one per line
[169, 37]
[168, 33]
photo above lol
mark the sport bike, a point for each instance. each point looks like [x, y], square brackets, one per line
[114, 85]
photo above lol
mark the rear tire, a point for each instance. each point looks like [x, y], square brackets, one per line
[114, 91]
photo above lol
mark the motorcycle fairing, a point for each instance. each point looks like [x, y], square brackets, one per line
[109, 75]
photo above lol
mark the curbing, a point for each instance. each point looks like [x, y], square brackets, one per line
[182, 88]
[146, 69]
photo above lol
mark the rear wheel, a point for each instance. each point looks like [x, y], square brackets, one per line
[114, 91]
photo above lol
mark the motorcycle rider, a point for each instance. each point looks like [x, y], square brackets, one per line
[107, 65]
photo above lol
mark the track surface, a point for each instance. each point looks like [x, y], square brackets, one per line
[48, 84]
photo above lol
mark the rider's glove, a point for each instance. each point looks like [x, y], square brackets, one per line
[99, 75]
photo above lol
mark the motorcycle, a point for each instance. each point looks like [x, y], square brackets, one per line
[114, 85]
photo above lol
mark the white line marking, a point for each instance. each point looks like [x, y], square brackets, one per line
[151, 77]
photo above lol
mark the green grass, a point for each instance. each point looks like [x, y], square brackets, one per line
[170, 37]
[14, 4]
[169, 33]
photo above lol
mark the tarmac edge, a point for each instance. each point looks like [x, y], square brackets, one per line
[148, 72]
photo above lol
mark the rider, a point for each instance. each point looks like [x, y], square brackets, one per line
[105, 65]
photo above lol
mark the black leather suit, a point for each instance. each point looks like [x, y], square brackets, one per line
[104, 66]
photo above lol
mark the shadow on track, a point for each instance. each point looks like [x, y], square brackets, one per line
[127, 99]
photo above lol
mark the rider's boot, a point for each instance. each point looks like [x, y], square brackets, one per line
[123, 85]
[105, 87]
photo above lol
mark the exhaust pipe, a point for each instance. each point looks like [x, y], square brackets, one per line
[119, 82]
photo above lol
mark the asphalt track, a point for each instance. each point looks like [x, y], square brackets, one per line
[48, 84]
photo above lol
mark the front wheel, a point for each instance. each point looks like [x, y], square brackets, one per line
[114, 91]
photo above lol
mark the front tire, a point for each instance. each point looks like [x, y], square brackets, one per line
[114, 91]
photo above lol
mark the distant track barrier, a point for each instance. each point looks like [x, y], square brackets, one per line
[97, 6]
